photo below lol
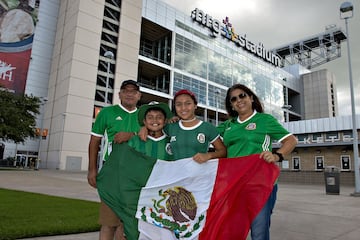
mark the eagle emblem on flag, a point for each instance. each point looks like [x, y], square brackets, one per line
[180, 205]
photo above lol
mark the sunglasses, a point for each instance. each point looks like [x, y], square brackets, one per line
[240, 96]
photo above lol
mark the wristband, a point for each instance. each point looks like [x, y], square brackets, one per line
[281, 157]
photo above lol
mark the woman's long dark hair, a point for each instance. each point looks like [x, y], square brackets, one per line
[256, 105]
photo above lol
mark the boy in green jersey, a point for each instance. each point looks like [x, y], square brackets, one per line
[190, 136]
[153, 116]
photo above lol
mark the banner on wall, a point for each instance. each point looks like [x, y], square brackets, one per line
[17, 26]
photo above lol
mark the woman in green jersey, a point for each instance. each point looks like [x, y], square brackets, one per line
[251, 131]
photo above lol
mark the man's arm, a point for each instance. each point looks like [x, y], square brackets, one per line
[93, 151]
[121, 137]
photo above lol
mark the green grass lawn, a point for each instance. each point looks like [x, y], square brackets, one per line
[24, 214]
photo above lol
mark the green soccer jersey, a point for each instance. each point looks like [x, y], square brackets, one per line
[111, 120]
[187, 141]
[157, 148]
[254, 135]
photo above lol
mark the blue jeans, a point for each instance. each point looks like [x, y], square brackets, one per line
[260, 227]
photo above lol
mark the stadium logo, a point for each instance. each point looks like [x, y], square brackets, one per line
[226, 29]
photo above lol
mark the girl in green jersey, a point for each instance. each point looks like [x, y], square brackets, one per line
[190, 136]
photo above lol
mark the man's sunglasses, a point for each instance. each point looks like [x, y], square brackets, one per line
[240, 96]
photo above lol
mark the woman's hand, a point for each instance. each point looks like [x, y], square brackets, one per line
[269, 157]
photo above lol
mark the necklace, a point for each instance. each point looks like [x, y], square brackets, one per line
[190, 120]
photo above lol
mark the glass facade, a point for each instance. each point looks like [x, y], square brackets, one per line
[213, 67]
[205, 64]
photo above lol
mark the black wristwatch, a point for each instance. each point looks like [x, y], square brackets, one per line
[281, 157]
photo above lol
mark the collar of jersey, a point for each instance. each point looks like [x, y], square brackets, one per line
[239, 121]
[157, 139]
[190, 128]
[123, 108]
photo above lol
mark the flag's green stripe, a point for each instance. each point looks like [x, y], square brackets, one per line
[120, 181]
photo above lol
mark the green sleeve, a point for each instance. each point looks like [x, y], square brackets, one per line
[221, 127]
[100, 124]
[275, 129]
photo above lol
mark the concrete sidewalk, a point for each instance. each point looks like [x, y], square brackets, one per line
[302, 212]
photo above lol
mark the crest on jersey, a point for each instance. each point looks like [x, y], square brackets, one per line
[201, 138]
[251, 126]
[168, 149]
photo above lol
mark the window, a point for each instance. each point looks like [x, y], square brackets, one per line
[302, 138]
[194, 85]
[347, 136]
[296, 163]
[319, 163]
[345, 162]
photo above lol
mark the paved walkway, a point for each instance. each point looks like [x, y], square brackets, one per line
[302, 212]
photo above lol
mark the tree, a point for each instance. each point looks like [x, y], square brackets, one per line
[17, 116]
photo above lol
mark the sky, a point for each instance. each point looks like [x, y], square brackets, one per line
[276, 23]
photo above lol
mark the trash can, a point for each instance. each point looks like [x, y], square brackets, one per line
[332, 180]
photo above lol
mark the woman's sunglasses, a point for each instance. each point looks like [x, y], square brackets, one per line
[240, 96]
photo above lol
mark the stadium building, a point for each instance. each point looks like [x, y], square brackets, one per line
[81, 51]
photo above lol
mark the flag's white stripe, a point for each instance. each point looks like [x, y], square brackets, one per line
[167, 172]
[150, 232]
[196, 178]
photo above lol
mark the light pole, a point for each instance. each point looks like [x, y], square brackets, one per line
[346, 12]
[61, 139]
[217, 93]
[41, 125]
[110, 56]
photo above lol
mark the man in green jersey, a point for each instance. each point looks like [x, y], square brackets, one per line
[116, 123]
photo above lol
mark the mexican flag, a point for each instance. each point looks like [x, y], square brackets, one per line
[183, 199]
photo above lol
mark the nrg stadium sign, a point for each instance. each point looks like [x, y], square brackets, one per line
[227, 31]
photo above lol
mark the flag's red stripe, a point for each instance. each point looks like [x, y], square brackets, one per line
[241, 189]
